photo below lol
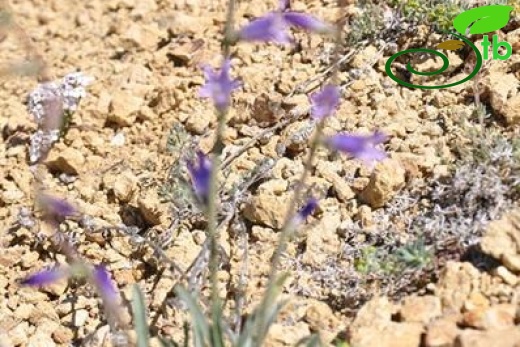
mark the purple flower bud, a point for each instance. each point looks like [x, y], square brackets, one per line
[104, 285]
[308, 208]
[200, 173]
[307, 22]
[270, 28]
[45, 277]
[359, 146]
[219, 86]
[325, 102]
[55, 207]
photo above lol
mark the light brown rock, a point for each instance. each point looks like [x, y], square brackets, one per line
[322, 241]
[10, 193]
[267, 209]
[390, 335]
[495, 338]
[142, 36]
[19, 335]
[125, 186]
[420, 309]
[503, 96]
[62, 335]
[456, 283]
[511, 110]
[442, 332]
[377, 312]
[286, 335]
[502, 240]
[266, 108]
[495, 317]
[66, 160]
[506, 275]
[200, 121]
[386, 180]
[151, 208]
[319, 317]
[328, 171]
[41, 340]
[124, 108]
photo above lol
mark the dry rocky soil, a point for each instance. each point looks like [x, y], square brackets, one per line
[449, 181]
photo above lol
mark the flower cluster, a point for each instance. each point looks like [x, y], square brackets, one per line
[324, 103]
[49, 103]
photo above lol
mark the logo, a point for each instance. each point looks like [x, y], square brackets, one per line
[479, 20]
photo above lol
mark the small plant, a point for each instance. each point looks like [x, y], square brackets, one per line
[415, 255]
[52, 105]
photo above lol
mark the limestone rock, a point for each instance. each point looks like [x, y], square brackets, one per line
[456, 283]
[281, 335]
[391, 335]
[502, 240]
[319, 317]
[420, 309]
[503, 96]
[496, 317]
[386, 180]
[266, 108]
[124, 108]
[322, 240]
[511, 110]
[269, 206]
[496, 338]
[142, 36]
[442, 332]
[68, 160]
[151, 208]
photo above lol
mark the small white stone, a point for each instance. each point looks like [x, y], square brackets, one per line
[118, 140]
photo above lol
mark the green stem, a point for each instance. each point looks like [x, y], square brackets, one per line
[285, 236]
[287, 229]
[213, 191]
[212, 217]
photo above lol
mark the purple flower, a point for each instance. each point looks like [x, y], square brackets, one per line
[270, 28]
[200, 173]
[55, 207]
[308, 208]
[359, 146]
[104, 284]
[273, 26]
[325, 102]
[219, 86]
[307, 22]
[45, 277]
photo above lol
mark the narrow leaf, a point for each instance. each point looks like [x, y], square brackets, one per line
[201, 328]
[140, 321]
[167, 343]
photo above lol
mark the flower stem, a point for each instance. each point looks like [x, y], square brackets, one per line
[213, 191]
[285, 236]
[287, 228]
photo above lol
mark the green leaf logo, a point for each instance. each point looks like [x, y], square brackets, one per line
[484, 19]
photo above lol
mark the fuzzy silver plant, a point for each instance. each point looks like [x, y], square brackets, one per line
[51, 104]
